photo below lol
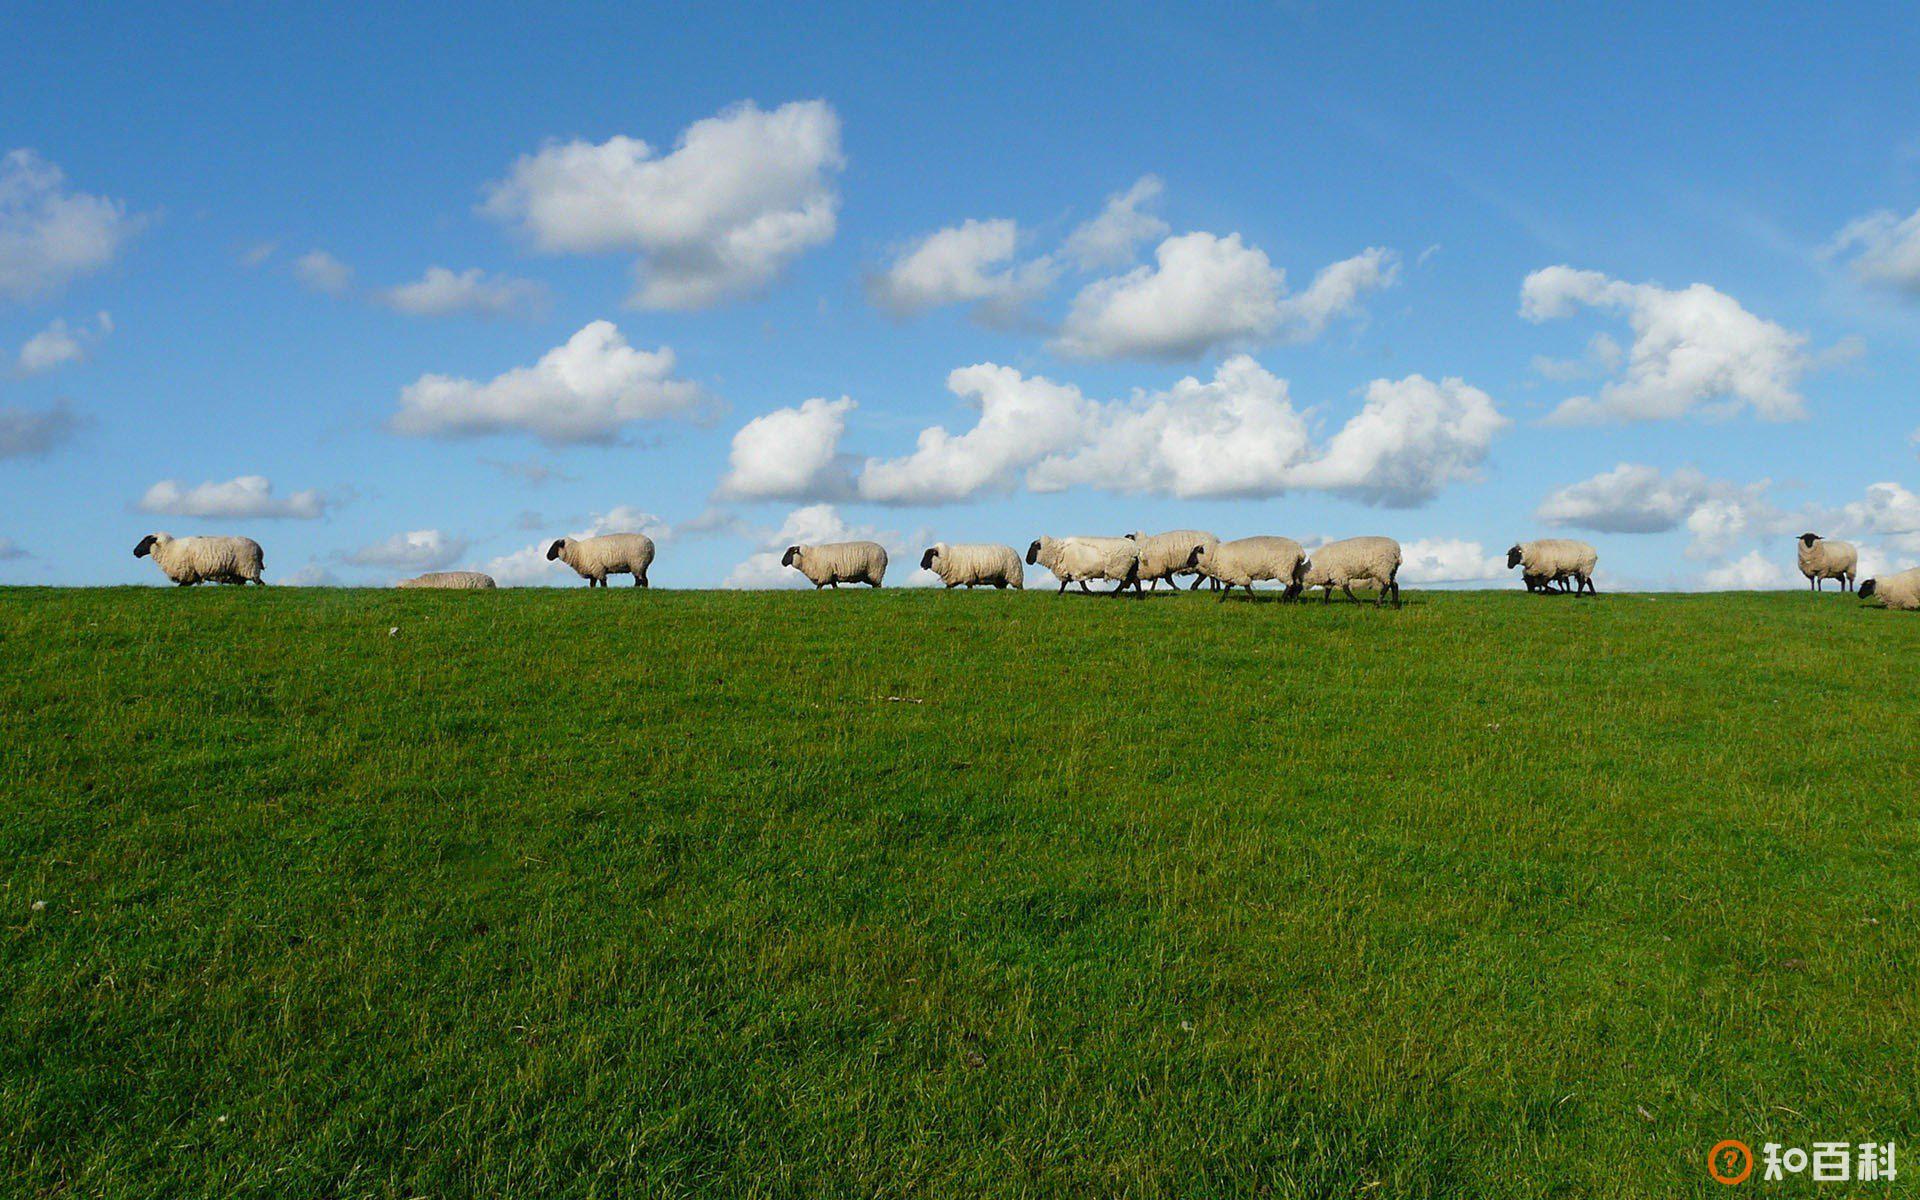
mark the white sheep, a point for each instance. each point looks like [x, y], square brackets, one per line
[595, 558]
[453, 580]
[1165, 555]
[1342, 564]
[835, 563]
[976, 563]
[1554, 560]
[1078, 559]
[1895, 591]
[1243, 561]
[1821, 559]
[191, 560]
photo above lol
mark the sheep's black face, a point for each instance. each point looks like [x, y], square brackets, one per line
[1808, 539]
[553, 551]
[1867, 588]
[1193, 560]
[1513, 558]
[1033, 552]
[144, 548]
[926, 560]
[793, 552]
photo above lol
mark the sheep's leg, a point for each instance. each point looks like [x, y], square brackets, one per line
[1326, 596]
[1348, 589]
[1085, 588]
[639, 579]
[1063, 588]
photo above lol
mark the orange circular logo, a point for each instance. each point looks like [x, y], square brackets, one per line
[1730, 1162]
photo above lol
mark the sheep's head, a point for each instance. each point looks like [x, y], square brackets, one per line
[147, 544]
[554, 550]
[1193, 559]
[926, 560]
[1867, 588]
[1808, 539]
[790, 557]
[1135, 536]
[1033, 552]
[1513, 557]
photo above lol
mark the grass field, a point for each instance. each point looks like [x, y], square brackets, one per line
[559, 893]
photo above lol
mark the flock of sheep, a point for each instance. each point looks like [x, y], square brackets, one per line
[1138, 560]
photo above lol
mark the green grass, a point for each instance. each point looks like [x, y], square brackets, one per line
[854, 894]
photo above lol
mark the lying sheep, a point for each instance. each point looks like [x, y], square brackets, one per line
[835, 563]
[1554, 560]
[1821, 559]
[1078, 559]
[1241, 562]
[981, 562]
[191, 560]
[1374, 560]
[1895, 591]
[595, 558]
[455, 580]
[1165, 555]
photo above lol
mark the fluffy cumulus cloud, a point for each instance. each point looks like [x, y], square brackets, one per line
[584, 391]
[1694, 349]
[529, 566]
[1236, 434]
[740, 196]
[248, 497]
[790, 454]
[1449, 560]
[1884, 249]
[1752, 571]
[1889, 511]
[441, 292]
[50, 235]
[971, 263]
[415, 550]
[1633, 498]
[1204, 293]
[31, 432]
[1112, 238]
[60, 345]
[818, 523]
[322, 272]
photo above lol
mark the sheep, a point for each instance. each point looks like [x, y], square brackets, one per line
[981, 562]
[595, 558]
[1554, 560]
[1165, 555]
[835, 563]
[1821, 559]
[190, 560]
[1240, 562]
[455, 580]
[1078, 559]
[1895, 591]
[1342, 564]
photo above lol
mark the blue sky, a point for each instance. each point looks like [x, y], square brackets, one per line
[1645, 276]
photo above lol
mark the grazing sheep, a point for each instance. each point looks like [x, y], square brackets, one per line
[1895, 591]
[455, 580]
[595, 558]
[191, 560]
[1554, 560]
[835, 563]
[1078, 559]
[1165, 555]
[1240, 562]
[1821, 559]
[980, 562]
[1374, 560]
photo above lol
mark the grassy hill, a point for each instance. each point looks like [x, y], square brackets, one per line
[350, 893]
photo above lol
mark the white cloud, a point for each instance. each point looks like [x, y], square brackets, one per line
[1205, 293]
[1412, 438]
[1889, 511]
[1113, 237]
[1887, 249]
[1603, 357]
[739, 197]
[1695, 349]
[583, 391]
[415, 550]
[27, 432]
[790, 453]
[322, 272]
[1632, 498]
[823, 523]
[311, 575]
[1752, 571]
[50, 236]
[970, 263]
[60, 345]
[441, 292]
[248, 497]
[1022, 419]
[1449, 560]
